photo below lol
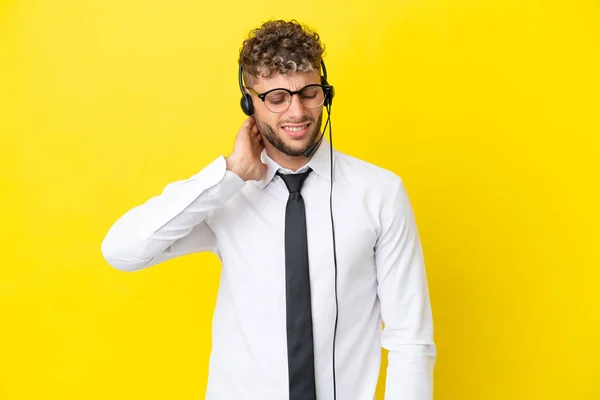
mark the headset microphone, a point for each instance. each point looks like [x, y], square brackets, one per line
[314, 146]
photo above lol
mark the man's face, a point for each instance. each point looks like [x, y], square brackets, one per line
[294, 130]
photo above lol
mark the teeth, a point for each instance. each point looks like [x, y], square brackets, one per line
[294, 128]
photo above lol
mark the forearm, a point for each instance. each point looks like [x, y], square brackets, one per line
[160, 228]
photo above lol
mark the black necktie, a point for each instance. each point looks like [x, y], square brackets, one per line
[301, 365]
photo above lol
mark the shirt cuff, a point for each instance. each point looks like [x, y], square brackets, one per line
[229, 185]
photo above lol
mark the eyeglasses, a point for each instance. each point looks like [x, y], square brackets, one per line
[279, 100]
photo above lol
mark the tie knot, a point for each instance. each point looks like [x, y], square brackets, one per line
[294, 181]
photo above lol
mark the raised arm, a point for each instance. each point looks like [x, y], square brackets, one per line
[173, 223]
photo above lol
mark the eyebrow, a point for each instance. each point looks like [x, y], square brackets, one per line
[282, 88]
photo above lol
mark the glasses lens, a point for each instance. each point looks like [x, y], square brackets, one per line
[277, 100]
[312, 96]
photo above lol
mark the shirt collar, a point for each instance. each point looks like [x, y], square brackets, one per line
[319, 163]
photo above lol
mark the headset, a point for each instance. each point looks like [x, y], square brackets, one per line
[248, 109]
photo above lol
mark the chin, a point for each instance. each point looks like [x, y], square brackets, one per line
[298, 147]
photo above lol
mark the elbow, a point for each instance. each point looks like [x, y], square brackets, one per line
[413, 350]
[410, 347]
[415, 357]
[116, 255]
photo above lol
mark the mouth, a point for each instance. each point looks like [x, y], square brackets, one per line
[296, 130]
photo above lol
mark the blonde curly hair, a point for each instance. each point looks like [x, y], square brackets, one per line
[280, 47]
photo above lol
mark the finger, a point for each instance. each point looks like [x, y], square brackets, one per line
[248, 123]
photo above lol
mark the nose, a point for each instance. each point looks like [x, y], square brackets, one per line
[296, 109]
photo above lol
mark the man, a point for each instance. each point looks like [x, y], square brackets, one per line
[305, 284]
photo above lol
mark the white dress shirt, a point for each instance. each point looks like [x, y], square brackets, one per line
[381, 275]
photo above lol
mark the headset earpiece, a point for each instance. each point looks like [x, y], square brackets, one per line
[331, 93]
[247, 105]
[246, 100]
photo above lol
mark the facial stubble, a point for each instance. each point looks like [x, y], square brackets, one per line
[271, 135]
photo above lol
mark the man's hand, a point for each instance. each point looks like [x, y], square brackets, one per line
[245, 159]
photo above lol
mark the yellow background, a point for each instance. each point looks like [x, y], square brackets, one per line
[489, 110]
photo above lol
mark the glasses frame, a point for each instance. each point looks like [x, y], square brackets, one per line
[262, 96]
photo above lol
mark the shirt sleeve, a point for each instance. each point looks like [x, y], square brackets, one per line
[173, 223]
[405, 305]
